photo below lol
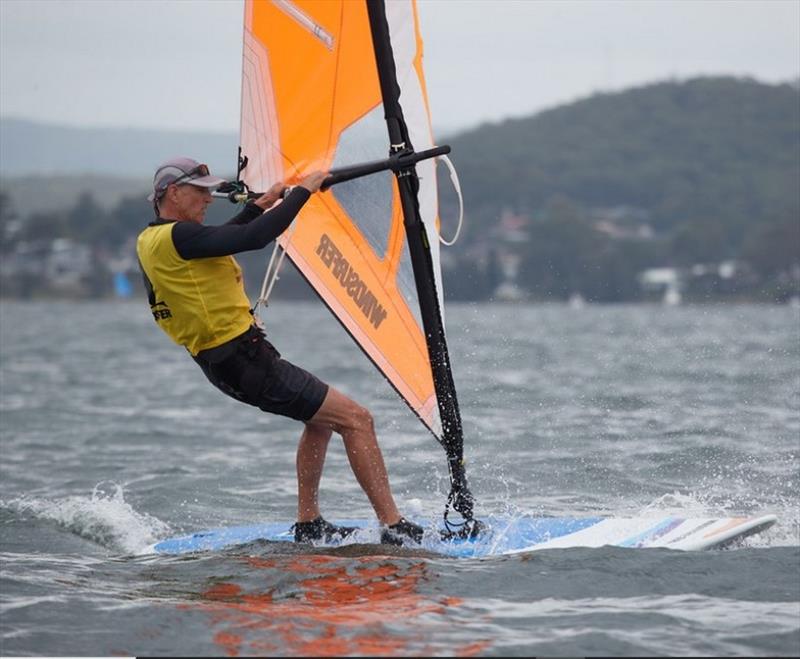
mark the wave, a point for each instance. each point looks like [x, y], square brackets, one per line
[104, 518]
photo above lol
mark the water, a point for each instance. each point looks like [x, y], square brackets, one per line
[112, 439]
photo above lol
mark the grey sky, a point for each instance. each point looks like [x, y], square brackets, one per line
[158, 64]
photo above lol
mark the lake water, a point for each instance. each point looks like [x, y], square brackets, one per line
[113, 439]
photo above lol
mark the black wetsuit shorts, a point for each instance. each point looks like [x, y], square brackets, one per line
[249, 369]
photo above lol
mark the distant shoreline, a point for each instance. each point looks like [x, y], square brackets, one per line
[750, 301]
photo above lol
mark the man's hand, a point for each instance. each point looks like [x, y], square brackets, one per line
[313, 181]
[268, 199]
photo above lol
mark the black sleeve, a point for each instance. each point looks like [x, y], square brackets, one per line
[249, 213]
[241, 234]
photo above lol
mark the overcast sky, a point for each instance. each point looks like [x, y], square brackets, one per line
[176, 64]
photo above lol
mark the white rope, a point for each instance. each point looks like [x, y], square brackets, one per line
[457, 186]
[272, 274]
[273, 269]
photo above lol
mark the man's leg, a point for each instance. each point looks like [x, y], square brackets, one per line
[354, 423]
[310, 460]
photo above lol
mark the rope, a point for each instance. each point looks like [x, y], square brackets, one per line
[457, 186]
[272, 273]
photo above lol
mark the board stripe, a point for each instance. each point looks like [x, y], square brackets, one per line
[662, 528]
[734, 522]
[694, 530]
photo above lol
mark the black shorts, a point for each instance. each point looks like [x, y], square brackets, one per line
[249, 369]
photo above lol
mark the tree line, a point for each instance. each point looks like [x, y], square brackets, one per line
[711, 166]
[667, 175]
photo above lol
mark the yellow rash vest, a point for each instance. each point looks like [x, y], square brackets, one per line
[194, 285]
[200, 303]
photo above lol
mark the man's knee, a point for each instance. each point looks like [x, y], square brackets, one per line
[356, 417]
[362, 418]
[343, 414]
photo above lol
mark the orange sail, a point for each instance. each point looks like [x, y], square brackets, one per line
[311, 100]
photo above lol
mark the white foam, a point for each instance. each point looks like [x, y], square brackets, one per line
[414, 507]
[104, 517]
[685, 505]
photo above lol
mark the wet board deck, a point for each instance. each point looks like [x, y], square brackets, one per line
[510, 535]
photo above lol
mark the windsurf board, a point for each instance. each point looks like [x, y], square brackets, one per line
[509, 535]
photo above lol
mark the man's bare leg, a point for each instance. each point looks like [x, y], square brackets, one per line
[354, 423]
[310, 460]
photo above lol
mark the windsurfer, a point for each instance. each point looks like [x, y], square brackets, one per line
[197, 297]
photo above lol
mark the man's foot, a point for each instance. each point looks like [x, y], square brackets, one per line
[319, 529]
[401, 533]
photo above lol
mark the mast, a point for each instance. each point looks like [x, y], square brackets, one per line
[422, 263]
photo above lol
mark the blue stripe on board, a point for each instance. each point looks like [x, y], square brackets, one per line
[515, 534]
[662, 528]
[218, 538]
[535, 531]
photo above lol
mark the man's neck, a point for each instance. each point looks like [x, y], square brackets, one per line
[170, 213]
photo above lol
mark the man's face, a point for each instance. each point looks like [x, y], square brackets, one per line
[191, 202]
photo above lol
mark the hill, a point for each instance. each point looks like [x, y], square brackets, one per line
[46, 167]
[721, 152]
[581, 199]
[699, 176]
[30, 148]
[46, 194]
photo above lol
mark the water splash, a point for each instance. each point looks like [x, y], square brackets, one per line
[104, 517]
[678, 503]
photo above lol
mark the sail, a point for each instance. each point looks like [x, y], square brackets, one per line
[312, 100]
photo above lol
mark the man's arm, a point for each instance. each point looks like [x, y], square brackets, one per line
[249, 213]
[253, 209]
[249, 230]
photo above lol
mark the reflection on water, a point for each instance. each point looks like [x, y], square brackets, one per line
[321, 606]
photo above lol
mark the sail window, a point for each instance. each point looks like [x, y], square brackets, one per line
[367, 200]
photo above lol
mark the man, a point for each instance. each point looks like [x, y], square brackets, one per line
[197, 297]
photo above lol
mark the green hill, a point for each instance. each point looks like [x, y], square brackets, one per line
[709, 151]
[584, 196]
[669, 174]
[51, 194]
[30, 148]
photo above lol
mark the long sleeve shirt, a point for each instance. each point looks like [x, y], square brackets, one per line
[251, 229]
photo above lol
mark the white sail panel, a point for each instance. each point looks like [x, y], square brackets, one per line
[406, 39]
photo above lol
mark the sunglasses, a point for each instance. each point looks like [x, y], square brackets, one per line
[197, 172]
